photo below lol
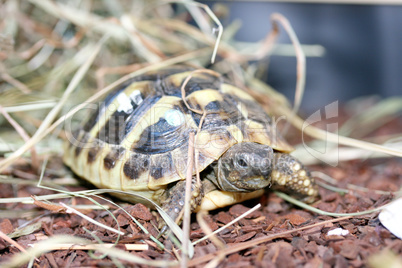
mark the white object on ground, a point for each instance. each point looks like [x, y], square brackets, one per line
[391, 217]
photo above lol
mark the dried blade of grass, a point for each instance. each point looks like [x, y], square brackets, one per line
[334, 138]
[216, 20]
[335, 155]
[12, 242]
[96, 192]
[40, 105]
[204, 114]
[301, 63]
[30, 52]
[372, 118]
[74, 211]
[185, 82]
[257, 51]
[53, 113]
[162, 28]
[191, 151]
[265, 94]
[85, 194]
[204, 226]
[159, 244]
[197, 17]
[46, 51]
[9, 24]
[132, 258]
[103, 71]
[24, 136]
[18, 214]
[146, 41]
[9, 79]
[152, 52]
[25, 230]
[80, 18]
[91, 21]
[321, 212]
[267, 44]
[287, 50]
[48, 245]
[349, 186]
[187, 210]
[65, 67]
[6, 41]
[66, 246]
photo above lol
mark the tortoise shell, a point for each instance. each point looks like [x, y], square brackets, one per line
[138, 138]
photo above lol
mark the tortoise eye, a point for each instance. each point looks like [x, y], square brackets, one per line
[241, 162]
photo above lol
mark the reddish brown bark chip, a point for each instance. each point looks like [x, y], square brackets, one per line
[140, 211]
[239, 209]
[295, 219]
[223, 217]
[280, 254]
[244, 237]
[3, 244]
[204, 250]
[6, 226]
[348, 248]
[211, 222]
[329, 197]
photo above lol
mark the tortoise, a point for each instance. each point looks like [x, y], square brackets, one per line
[138, 140]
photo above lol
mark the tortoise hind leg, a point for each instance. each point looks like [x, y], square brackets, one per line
[173, 200]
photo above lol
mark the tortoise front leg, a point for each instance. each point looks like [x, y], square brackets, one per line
[173, 200]
[290, 176]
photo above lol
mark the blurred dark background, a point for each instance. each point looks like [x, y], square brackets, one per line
[363, 48]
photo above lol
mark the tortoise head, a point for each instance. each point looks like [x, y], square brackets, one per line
[249, 166]
[245, 167]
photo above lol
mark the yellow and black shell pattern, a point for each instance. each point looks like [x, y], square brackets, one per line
[138, 138]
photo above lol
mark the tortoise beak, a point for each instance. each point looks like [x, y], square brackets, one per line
[257, 182]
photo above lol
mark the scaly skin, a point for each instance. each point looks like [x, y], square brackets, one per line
[290, 176]
[174, 198]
